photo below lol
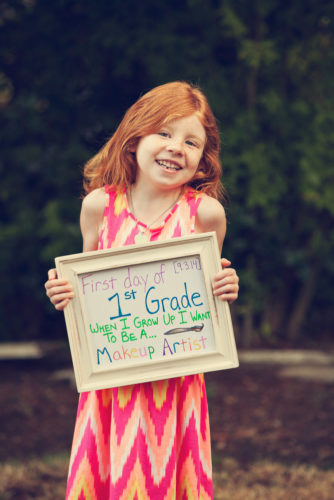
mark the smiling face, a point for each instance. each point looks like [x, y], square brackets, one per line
[170, 157]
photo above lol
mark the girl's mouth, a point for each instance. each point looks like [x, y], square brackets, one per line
[169, 165]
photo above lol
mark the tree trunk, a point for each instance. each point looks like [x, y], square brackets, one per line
[302, 304]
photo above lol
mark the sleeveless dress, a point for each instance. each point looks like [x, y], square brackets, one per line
[148, 441]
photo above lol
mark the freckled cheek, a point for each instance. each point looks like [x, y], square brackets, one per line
[195, 161]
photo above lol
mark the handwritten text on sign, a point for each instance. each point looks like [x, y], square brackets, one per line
[151, 311]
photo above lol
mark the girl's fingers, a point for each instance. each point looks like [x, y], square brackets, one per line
[61, 305]
[225, 272]
[221, 280]
[231, 297]
[56, 299]
[52, 274]
[227, 292]
[226, 283]
[225, 263]
[59, 286]
[59, 291]
[234, 280]
[56, 283]
[55, 290]
[230, 287]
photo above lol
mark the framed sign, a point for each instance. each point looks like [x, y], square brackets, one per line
[146, 312]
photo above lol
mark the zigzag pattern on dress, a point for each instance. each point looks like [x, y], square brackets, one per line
[147, 441]
[148, 453]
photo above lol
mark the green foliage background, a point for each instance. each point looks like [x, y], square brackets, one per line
[69, 70]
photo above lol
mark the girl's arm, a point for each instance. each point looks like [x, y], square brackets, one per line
[211, 217]
[91, 218]
[60, 291]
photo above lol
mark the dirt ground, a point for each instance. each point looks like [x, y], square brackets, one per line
[272, 437]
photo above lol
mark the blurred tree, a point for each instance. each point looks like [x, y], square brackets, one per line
[279, 159]
[69, 70]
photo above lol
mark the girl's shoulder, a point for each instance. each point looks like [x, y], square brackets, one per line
[91, 218]
[210, 209]
[94, 202]
[211, 217]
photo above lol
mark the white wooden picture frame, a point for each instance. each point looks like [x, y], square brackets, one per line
[146, 312]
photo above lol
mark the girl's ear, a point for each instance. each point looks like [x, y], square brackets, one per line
[201, 167]
[201, 171]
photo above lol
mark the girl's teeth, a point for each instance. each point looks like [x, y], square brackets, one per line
[168, 165]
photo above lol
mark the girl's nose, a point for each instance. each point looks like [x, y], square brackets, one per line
[175, 146]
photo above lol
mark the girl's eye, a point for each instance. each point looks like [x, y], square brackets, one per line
[163, 134]
[191, 143]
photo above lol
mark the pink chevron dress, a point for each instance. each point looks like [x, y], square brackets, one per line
[147, 441]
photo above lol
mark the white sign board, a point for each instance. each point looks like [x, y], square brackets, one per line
[146, 312]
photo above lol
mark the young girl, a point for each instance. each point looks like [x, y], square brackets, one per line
[158, 177]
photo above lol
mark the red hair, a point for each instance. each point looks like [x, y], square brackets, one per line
[115, 163]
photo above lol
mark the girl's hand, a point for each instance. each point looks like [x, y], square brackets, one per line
[59, 291]
[225, 283]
